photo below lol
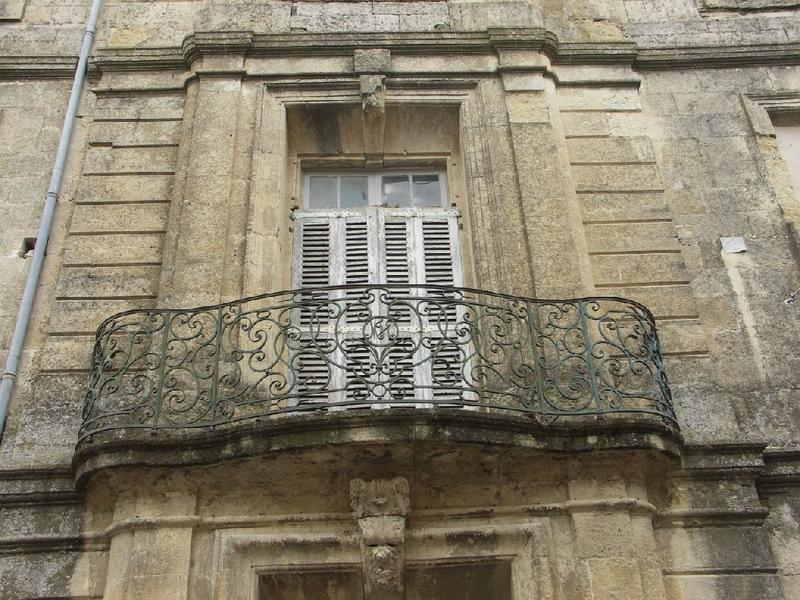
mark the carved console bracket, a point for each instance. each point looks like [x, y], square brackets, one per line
[380, 507]
[371, 66]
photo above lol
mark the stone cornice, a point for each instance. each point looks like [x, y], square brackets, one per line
[722, 461]
[493, 41]
[38, 67]
[746, 55]
[140, 59]
[596, 53]
[782, 469]
[36, 486]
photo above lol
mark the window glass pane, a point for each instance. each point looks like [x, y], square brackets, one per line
[322, 191]
[353, 192]
[427, 191]
[396, 190]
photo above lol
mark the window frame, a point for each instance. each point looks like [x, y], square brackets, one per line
[374, 193]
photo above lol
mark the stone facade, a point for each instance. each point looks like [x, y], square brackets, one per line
[593, 148]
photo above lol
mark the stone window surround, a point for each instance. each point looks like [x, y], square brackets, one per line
[275, 100]
[242, 555]
[758, 106]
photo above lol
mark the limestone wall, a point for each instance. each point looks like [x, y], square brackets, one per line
[603, 148]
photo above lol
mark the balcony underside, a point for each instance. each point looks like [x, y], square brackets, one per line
[376, 432]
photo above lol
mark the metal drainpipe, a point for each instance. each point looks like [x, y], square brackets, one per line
[31, 283]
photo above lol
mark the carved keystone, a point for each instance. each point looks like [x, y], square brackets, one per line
[372, 61]
[380, 507]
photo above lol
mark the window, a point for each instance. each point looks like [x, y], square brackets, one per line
[392, 229]
[376, 228]
[787, 132]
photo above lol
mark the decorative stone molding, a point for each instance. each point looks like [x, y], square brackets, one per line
[781, 470]
[380, 507]
[513, 46]
[747, 5]
[718, 56]
[516, 49]
[758, 106]
[38, 66]
[12, 10]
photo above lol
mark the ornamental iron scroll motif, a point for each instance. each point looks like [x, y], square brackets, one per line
[343, 347]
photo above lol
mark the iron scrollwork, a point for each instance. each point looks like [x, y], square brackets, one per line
[380, 346]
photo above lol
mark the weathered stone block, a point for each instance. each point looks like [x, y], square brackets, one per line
[468, 15]
[102, 160]
[108, 282]
[139, 107]
[12, 10]
[331, 22]
[527, 107]
[642, 206]
[135, 133]
[88, 218]
[85, 316]
[599, 150]
[603, 534]
[733, 586]
[410, 8]
[114, 248]
[627, 270]
[632, 237]
[37, 575]
[372, 61]
[584, 124]
[599, 98]
[67, 353]
[613, 579]
[682, 337]
[124, 188]
[602, 178]
[662, 301]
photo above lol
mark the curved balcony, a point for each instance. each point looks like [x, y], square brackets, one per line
[374, 347]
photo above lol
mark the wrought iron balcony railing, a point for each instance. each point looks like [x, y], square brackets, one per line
[382, 346]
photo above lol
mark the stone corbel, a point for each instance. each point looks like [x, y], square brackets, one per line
[380, 507]
[371, 66]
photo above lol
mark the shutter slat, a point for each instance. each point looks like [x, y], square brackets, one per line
[356, 258]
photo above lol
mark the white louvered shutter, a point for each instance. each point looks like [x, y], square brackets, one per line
[440, 264]
[312, 271]
[374, 246]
